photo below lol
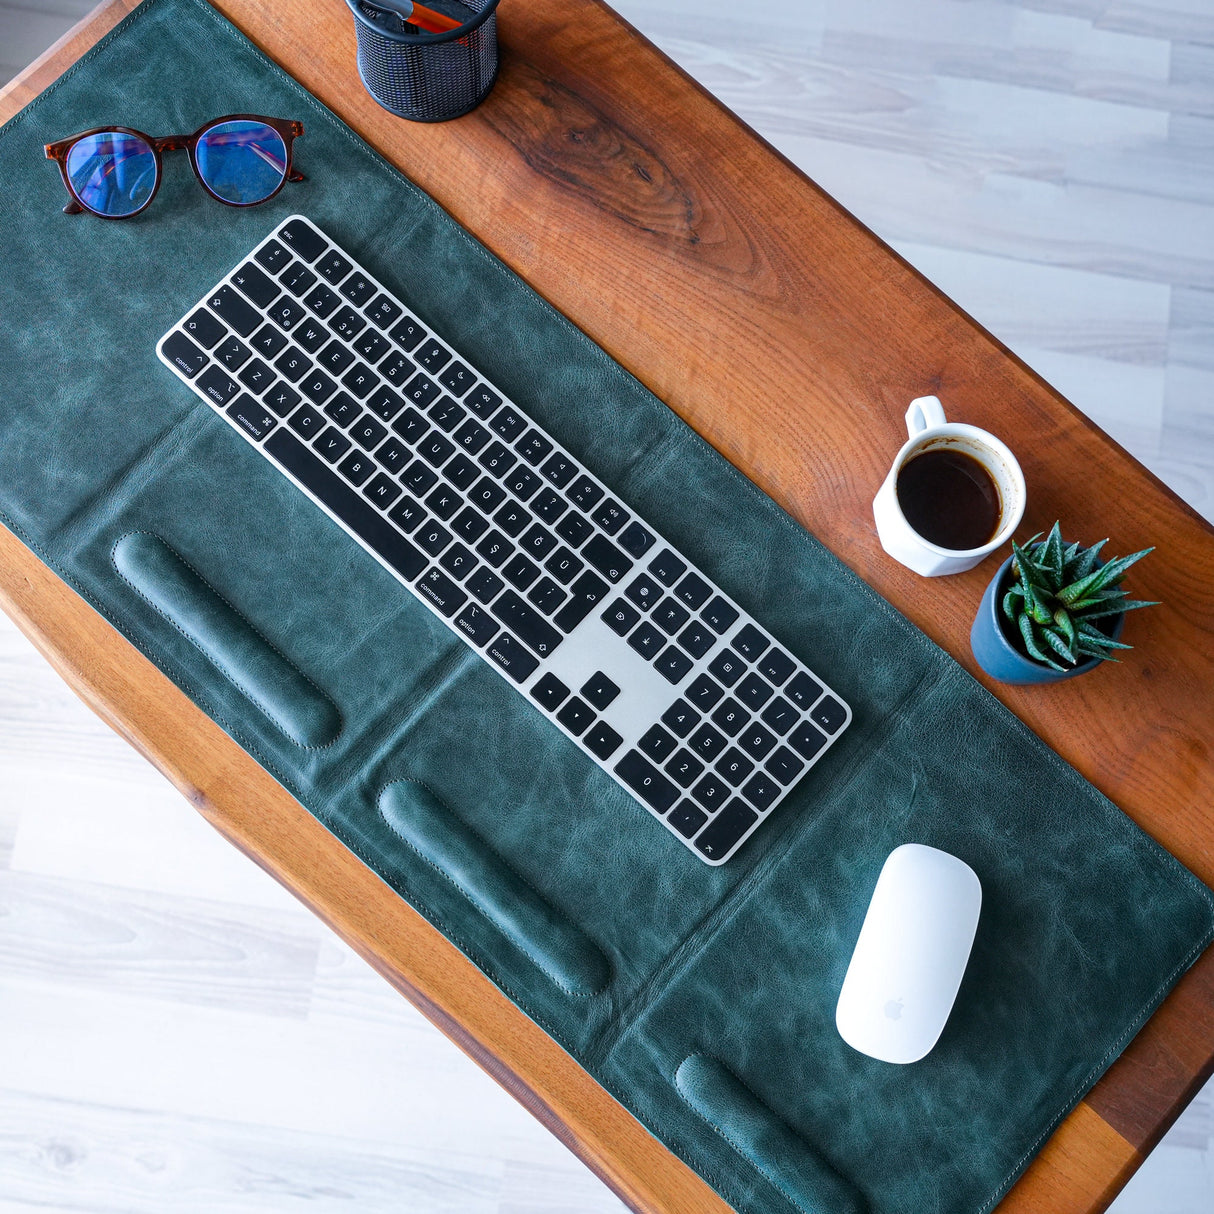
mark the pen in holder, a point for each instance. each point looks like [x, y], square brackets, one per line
[422, 75]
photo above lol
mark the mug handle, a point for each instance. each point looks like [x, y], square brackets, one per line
[924, 412]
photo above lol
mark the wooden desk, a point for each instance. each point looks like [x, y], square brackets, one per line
[669, 233]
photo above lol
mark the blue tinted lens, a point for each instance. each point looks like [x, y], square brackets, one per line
[112, 173]
[241, 161]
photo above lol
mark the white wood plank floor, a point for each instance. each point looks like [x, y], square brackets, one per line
[176, 1034]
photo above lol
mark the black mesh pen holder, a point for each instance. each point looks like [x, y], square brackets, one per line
[427, 77]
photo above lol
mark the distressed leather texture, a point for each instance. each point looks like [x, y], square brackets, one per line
[702, 998]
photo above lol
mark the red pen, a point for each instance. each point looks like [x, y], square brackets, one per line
[418, 14]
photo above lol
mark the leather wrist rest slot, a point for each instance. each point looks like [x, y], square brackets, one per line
[540, 931]
[164, 579]
[782, 1157]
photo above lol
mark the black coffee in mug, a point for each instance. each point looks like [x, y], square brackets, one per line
[949, 498]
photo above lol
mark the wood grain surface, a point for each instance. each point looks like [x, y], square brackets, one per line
[648, 214]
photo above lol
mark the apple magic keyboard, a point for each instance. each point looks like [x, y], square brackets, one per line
[602, 625]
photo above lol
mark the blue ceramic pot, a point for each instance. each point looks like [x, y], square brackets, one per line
[996, 654]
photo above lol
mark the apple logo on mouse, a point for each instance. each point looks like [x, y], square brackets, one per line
[893, 1009]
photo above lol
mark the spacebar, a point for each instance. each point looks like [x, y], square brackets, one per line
[377, 533]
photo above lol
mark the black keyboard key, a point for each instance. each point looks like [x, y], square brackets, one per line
[268, 341]
[260, 288]
[696, 639]
[620, 617]
[435, 449]
[610, 516]
[304, 239]
[803, 691]
[331, 443]
[807, 740]
[461, 472]
[828, 714]
[723, 833]
[495, 548]
[512, 519]
[576, 716]
[432, 537]
[345, 503]
[574, 530]
[251, 417]
[356, 467]
[719, 615]
[761, 790]
[693, 590]
[607, 558]
[727, 667]
[311, 335]
[358, 289]
[407, 333]
[411, 426]
[780, 715]
[602, 741]
[667, 567]
[469, 525]
[292, 364]
[381, 491]
[784, 765]
[549, 692]
[520, 572]
[644, 592]
[687, 819]
[753, 692]
[673, 665]
[525, 621]
[599, 690]
[471, 436]
[359, 380]
[756, 741]
[306, 422]
[563, 565]
[684, 768]
[477, 624]
[546, 595]
[317, 387]
[537, 542]
[549, 505]
[509, 423]
[457, 379]
[647, 782]
[438, 589]
[256, 376]
[342, 410]
[393, 455]
[512, 656]
[184, 354]
[646, 640]
[750, 642]
[431, 355]
[533, 446]
[399, 372]
[485, 585]
[703, 693]
[333, 266]
[777, 666]
[522, 483]
[487, 495]
[233, 354]
[234, 310]
[706, 742]
[729, 716]
[383, 312]
[204, 328]
[297, 278]
[273, 256]
[458, 562]
[421, 389]
[407, 514]
[711, 792]
[419, 477]
[635, 540]
[585, 593]
[347, 323]
[680, 718]
[670, 616]
[447, 413]
[218, 385]
[734, 766]
[443, 501]
[483, 401]
[282, 399]
[372, 346]
[286, 314]
[322, 301]
[584, 493]
[368, 433]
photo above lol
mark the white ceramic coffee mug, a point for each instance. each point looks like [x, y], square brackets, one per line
[929, 430]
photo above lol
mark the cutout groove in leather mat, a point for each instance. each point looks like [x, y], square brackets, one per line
[701, 998]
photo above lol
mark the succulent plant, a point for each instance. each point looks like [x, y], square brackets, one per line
[1058, 591]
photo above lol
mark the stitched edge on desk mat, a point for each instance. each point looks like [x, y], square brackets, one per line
[740, 964]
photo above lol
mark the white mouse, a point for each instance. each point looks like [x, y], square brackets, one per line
[912, 952]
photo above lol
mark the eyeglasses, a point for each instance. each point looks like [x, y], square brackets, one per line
[114, 172]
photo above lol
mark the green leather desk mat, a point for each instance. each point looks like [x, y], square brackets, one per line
[702, 998]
